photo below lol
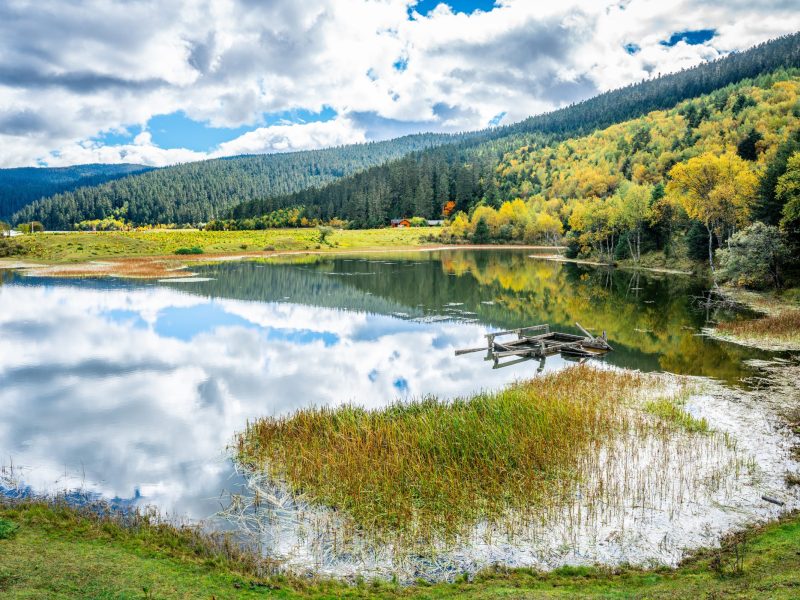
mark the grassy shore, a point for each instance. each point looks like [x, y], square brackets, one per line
[83, 246]
[778, 329]
[58, 552]
[778, 332]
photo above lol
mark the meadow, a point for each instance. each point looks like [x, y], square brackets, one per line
[83, 246]
[56, 551]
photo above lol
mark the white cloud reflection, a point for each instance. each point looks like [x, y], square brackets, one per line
[142, 389]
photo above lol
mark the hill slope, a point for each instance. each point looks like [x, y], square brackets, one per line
[463, 173]
[627, 189]
[21, 186]
[198, 191]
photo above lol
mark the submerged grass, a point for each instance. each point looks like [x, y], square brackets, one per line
[672, 410]
[434, 468]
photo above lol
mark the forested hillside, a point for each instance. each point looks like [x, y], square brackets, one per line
[199, 191]
[21, 186]
[440, 171]
[701, 171]
[458, 176]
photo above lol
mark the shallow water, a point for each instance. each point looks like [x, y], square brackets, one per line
[133, 390]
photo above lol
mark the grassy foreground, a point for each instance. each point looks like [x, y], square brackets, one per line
[83, 246]
[56, 552]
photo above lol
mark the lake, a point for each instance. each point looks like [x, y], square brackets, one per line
[133, 390]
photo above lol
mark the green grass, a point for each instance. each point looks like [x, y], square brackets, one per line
[670, 410]
[82, 246]
[7, 529]
[61, 553]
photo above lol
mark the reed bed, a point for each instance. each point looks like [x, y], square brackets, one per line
[782, 329]
[785, 324]
[432, 468]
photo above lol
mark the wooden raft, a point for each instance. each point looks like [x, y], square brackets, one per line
[538, 341]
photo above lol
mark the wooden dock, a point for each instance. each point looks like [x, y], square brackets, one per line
[538, 341]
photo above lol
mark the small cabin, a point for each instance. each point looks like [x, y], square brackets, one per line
[401, 223]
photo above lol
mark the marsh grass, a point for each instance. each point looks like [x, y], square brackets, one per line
[431, 468]
[784, 326]
[672, 410]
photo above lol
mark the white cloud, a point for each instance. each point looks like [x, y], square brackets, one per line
[70, 70]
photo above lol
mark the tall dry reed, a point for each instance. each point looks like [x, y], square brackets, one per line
[434, 467]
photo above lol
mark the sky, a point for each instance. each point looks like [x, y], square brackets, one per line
[159, 83]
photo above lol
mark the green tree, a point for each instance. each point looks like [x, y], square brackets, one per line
[481, 235]
[755, 257]
[747, 148]
[788, 192]
[769, 207]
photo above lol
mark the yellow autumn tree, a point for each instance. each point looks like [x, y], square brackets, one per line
[717, 190]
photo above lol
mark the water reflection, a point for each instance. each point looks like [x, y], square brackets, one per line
[134, 389]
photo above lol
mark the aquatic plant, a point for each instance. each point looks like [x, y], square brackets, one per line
[782, 327]
[430, 468]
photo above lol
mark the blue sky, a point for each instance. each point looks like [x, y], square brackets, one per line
[459, 6]
[176, 130]
[109, 81]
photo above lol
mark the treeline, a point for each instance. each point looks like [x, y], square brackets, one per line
[425, 182]
[201, 191]
[21, 186]
[295, 216]
[422, 184]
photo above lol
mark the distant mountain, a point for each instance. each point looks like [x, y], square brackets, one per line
[21, 186]
[199, 191]
[369, 183]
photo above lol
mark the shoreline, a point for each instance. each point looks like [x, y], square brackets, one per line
[772, 310]
[593, 263]
[178, 267]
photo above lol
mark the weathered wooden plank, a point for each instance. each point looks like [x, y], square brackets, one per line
[469, 350]
[589, 335]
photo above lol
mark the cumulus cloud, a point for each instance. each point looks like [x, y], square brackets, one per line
[70, 70]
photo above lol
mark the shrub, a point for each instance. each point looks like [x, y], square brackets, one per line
[7, 529]
[754, 257]
[192, 250]
[481, 235]
[8, 247]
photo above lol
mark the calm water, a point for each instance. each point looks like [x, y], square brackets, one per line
[133, 390]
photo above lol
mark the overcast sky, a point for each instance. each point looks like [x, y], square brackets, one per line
[159, 82]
